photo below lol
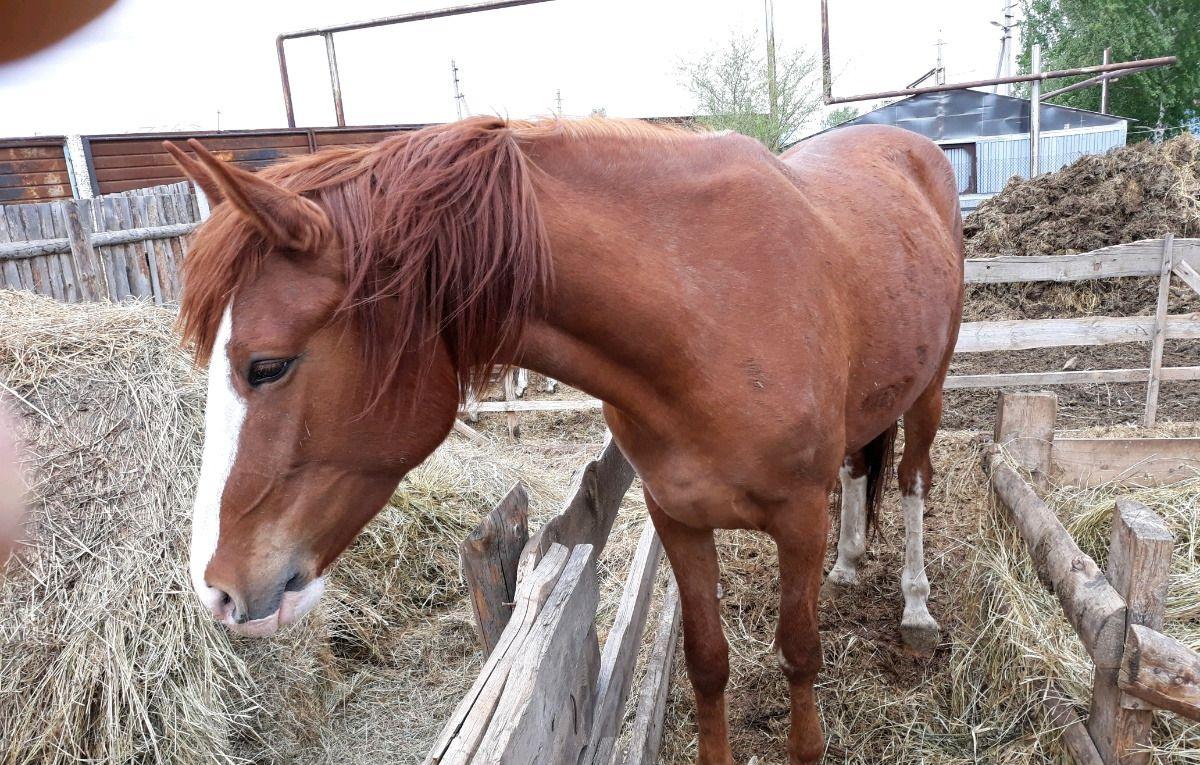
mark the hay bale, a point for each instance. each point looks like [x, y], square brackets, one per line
[105, 653]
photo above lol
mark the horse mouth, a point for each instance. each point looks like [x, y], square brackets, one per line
[293, 606]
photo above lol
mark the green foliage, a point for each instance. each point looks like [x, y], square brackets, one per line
[1075, 33]
[839, 115]
[732, 92]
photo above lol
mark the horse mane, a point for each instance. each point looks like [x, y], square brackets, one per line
[440, 233]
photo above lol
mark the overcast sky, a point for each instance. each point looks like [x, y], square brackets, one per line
[171, 65]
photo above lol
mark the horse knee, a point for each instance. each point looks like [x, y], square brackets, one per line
[707, 665]
[800, 663]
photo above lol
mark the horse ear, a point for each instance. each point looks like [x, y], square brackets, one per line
[284, 217]
[194, 170]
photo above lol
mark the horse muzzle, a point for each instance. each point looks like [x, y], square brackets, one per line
[262, 616]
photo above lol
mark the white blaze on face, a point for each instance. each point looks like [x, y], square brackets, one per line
[224, 414]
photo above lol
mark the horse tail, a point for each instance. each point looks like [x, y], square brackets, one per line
[878, 456]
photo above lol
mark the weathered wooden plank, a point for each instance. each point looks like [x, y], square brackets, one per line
[1091, 605]
[1160, 330]
[1139, 560]
[1187, 272]
[10, 276]
[464, 729]
[1145, 462]
[113, 256]
[47, 214]
[646, 733]
[1141, 258]
[589, 513]
[135, 258]
[89, 270]
[540, 719]
[619, 658]
[1025, 431]
[1080, 377]
[1075, 737]
[1020, 334]
[32, 223]
[510, 395]
[132, 235]
[16, 233]
[536, 406]
[147, 263]
[489, 557]
[1162, 671]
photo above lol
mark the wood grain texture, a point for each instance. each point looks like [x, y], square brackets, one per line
[646, 733]
[620, 655]
[489, 557]
[1093, 607]
[1162, 671]
[1021, 334]
[1025, 431]
[1160, 330]
[1139, 560]
[542, 718]
[1141, 462]
[1139, 258]
[1074, 737]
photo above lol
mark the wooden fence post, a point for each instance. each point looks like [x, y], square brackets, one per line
[1139, 559]
[1160, 329]
[1025, 431]
[89, 271]
[651, 708]
[489, 557]
[510, 394]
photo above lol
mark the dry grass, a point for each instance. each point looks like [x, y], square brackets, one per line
[107, 657]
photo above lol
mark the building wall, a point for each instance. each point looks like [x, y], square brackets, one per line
[1000, 158]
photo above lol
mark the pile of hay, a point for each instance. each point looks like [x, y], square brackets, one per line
[105, 654]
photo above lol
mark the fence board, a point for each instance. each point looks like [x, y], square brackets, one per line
[1022, 334]
[1088, 462]
[1141, 258]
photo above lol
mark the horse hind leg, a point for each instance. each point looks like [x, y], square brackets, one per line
[918, 629]
[852, 531]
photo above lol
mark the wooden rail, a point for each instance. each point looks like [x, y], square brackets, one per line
[547, 693]
[1117, 617]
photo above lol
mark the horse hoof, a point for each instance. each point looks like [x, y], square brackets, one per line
[921, 637]
[837, 584]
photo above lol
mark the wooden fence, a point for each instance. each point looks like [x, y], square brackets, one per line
[112, 247]
[1117, 616]
[547, 693]
[1163, 258]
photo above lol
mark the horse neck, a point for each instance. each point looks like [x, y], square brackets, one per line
[611, 325]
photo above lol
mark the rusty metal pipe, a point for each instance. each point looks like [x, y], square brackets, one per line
[335, 82]
[1122, 67]
[283, 78]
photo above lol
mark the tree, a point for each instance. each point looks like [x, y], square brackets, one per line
[839, 115]
[732, 92]
[1075, 33]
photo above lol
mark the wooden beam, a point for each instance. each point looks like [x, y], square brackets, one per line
[470, 433]
[37, 248]
[1021, 334]
[1075, 737]
[89, 271]
[1160, 330]
[535, 406]
[1162, 671]
[1141, 258]
[1090, 603]
[1139, 560]
[591, 508]
[489, 557]
[544, 714]
[1024, 431]
[620, 655]
[1142, 462]
[465, 728]
[1187, 273]
[647, 729]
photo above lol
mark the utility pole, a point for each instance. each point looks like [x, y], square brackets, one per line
[1004, 63]
[1104, 83]
[459, 99]
[1035, 113]
[558, 100]
[772, 84]
[940, 76]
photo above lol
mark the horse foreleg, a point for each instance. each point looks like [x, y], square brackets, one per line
[801, 546]
[693, 557]
[918, 628]
[852, 531]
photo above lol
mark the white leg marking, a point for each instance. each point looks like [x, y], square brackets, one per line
[913, 581]
[224, 413]
[852, 536]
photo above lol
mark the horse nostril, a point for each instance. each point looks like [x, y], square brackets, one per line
[295, 583]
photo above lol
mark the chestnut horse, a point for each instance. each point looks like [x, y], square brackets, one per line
[755, 325]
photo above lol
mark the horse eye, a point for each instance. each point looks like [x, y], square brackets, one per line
[268, 370]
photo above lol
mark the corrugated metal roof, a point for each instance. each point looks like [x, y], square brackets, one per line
[969, 114]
